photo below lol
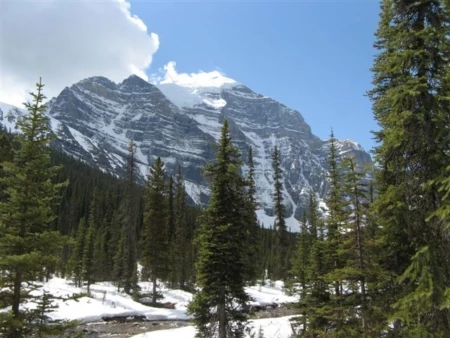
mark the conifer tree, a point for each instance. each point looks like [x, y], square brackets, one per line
[220, 307]
[267, 250]
[6, 155]
[183, 236]
[171, 232]
[126, 270]
[75, 265]
[154, 241]
[45, 326]
[300, 268]
[88, 255]
[170, 211]
[336, 208]
[27, 240]
[88, 260]
[317, 298]
[280, 244]
[101, 261]
[253, 255]
[119, 263]
[410, 104]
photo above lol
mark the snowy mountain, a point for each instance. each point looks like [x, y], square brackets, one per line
[95, 118]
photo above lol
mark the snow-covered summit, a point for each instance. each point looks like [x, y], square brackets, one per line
[189, 90]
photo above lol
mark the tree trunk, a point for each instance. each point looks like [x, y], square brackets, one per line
[222, 315]
[16, 301]
[154, 290]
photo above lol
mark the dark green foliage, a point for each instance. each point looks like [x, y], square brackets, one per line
[220, 307]
[336, 208]
[170, 211]
[411, 106]
[154, 239]
[171, 232]
[317, 295]
[126, 274]
[75, 264]
[88, 255]
[266, 241]
[29, 246]
[6, 155]
[102, 262]
[118, 271]
[253, 254]
[182, 248]
[280, 257]
[300, 268]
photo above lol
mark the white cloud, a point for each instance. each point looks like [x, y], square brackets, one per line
[188, 90]
[66, 41]
[193, 80]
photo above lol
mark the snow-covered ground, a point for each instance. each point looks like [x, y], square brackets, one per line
[105, 301]
[270, 328]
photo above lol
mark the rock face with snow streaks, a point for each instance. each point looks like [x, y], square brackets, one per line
[95, 119]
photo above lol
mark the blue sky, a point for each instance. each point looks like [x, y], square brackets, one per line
[312, 56]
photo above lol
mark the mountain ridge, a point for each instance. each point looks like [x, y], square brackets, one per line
[95, 118]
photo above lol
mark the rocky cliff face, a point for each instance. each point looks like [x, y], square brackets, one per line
[95, 119]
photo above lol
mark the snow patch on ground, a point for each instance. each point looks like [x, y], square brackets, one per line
[270, 293]
[106, 301]
[270, 327]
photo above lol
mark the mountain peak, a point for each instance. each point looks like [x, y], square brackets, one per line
[98, 79]
[134, 80]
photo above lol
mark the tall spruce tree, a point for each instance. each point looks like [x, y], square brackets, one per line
[126, 263]
[27, 240]
[336, 208]
[101, 260]
[299, 271]
[88, 255]
[183, 236]
[317, 300]
[220, 307]
[88, 259]
[75, 264]
[154, 239]
[253, 255]
[279, 268]
[411, 106]
[171, 232]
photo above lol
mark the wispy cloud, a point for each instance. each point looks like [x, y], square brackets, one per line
[169, 74]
